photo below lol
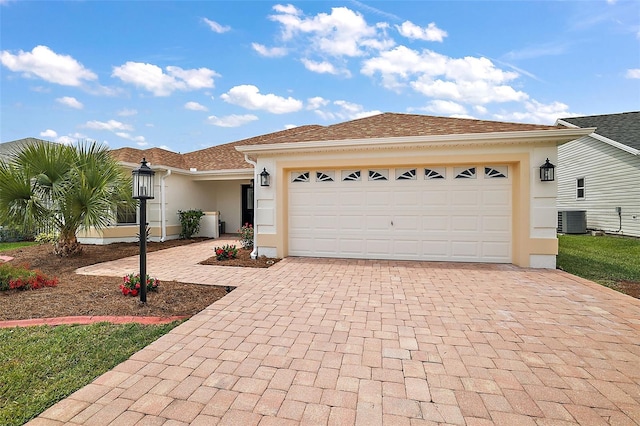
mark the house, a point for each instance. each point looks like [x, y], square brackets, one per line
[8, 148]
[390, 186]
[600, 173]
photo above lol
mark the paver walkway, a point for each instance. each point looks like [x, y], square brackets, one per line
[342, 342]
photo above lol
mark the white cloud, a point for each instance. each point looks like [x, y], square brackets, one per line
[445, 108]
[249, 97]
[231, 120]
[316, 102]
[195, 106]
[70, 102]
[127, 112]
[633, 73]
[468, 80]
[269, 52]
[152, 78]
[323, 67]
[343, 32]
[346, 111]
[290, 126]
[429, 33]
[49, 134]
[215, 27]
[139, 140]
[536, 112]
[111, 125]
[44, 63]
[66, 140]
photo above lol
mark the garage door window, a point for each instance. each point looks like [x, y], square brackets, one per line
[299, 177]
[350, 175]
[405, 174]
[469, 173]
[324, 176]
[378, 174]
[434, 173]
[498, 172]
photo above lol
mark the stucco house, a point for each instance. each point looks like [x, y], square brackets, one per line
[390, 186]
[600, 173]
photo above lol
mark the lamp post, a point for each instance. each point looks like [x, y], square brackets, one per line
[143, 191]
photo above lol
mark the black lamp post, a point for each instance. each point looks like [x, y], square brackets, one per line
[143, 191]
[547, 172]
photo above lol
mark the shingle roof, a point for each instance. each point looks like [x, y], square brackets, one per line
[8, 148]
[385, 125]
[623, 128]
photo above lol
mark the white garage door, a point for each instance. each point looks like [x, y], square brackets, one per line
[417, 213]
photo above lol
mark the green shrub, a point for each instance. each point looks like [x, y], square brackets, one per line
[226, 252]
[9, 235]
[246, 236]
[190, 222]
[22, 278]
[47, 237]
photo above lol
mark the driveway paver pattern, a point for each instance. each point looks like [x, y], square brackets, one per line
[365, 342]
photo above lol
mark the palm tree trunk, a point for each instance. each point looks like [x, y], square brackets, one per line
[67, 244]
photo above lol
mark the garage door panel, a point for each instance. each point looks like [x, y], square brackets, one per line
[465, 223]
[430, 219]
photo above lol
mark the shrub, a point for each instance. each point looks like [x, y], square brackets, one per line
[22, 278]
[47, 237]
[190, 222]
[226, 252]
[10, 235]
[131, 284]
[246, 236]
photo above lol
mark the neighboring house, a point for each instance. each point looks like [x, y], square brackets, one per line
[8, 148]
[600, 173]
[390, 186]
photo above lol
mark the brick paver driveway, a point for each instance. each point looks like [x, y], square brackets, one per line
[341, 342]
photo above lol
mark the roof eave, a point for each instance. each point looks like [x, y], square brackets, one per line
[558, 136]
[604, 139]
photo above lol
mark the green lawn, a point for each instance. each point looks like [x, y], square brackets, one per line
[605, 260]
[9, 246]
[42, 365]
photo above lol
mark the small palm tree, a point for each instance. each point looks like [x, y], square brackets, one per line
[67, 187]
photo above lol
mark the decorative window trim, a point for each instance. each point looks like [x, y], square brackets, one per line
[378, 174]
[351, 175]
[581, 185]
[299, 177]
[324, 176]
[493, 173]
[469, 173]
[406, 174]
[434, 174]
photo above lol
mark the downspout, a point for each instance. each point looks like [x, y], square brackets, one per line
[254, 253]
[163, 213]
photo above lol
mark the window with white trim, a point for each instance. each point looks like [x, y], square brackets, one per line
[580, 187]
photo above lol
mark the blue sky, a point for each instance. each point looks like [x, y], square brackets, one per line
[188, 75]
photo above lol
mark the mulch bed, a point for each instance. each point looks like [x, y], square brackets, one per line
[243, 260]
[79, 295]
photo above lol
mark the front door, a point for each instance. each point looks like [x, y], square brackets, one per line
[247, 204]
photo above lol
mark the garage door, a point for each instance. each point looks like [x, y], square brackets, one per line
[416, 213]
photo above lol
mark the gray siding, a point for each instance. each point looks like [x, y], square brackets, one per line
[612, 179]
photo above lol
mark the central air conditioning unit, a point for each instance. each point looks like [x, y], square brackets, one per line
[572, 222]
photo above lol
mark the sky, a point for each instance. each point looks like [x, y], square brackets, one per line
[192, 74]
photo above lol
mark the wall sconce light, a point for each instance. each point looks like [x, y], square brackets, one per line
[265, 177]
[547, 172]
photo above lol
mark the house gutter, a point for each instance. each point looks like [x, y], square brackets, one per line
[163, 206]
[254, 253]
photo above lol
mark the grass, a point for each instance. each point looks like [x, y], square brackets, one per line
[605, 260]
[9, 246]
[42, 365]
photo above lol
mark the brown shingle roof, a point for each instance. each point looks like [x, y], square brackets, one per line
[387, 125]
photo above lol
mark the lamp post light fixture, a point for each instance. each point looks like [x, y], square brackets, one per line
[547, 172]
[143, 191]
[265, 178]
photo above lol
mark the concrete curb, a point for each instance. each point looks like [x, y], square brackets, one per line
[89, 320]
